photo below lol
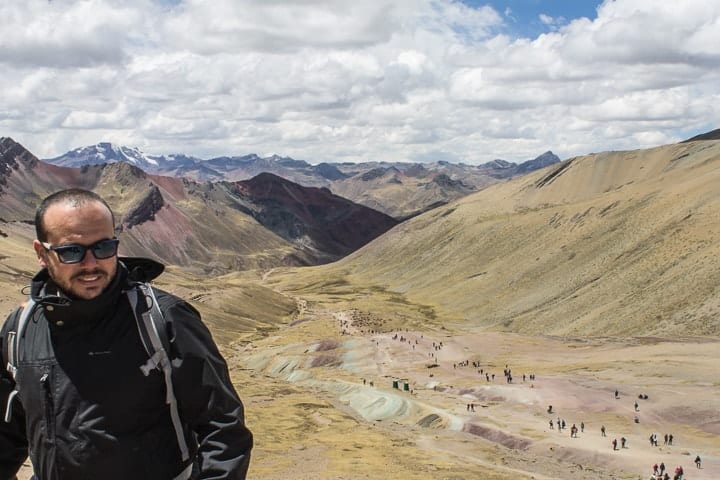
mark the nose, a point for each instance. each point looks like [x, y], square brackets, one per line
[89, 258]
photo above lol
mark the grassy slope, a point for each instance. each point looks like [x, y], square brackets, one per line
[616, 244]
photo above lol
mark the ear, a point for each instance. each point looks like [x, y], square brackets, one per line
[41, 253]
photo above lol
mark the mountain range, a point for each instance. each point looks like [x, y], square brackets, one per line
[398, 189]
[210, 226]
[613, 243]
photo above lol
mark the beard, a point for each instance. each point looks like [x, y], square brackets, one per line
[84, 284]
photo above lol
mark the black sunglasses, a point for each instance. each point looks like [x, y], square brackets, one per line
[74, 253]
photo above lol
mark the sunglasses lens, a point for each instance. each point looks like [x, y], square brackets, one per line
[70, 253]
[105, 248]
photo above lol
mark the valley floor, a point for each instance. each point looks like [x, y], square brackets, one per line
[359, 402]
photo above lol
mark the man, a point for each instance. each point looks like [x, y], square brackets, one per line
[86, 405]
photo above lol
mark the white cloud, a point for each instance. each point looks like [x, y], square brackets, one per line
[341, 80]
[68, 34]
[209, 27]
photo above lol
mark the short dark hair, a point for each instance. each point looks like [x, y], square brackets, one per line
[75, 196]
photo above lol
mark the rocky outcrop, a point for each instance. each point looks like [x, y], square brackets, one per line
[145, 210]
[372, 174]
[445, 181]
[554, 174]
[11, 153]
[330, 172]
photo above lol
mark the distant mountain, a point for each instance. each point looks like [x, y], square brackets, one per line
[545, 160]
[214, 169]
[365, 183]
[213, 227]
[406, 189]
[711, 135]
[106, 152]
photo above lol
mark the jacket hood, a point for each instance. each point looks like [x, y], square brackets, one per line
[142, 269]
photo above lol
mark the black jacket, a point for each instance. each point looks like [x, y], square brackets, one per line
[86, 410]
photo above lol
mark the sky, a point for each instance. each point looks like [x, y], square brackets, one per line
[355, 81]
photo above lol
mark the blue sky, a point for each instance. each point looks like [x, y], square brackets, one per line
[348, 80]
[523, 17]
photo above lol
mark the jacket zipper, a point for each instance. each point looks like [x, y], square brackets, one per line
[45, 381]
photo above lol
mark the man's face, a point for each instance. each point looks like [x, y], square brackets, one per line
[83, 224]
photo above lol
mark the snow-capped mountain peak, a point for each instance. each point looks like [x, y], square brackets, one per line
[104, 152]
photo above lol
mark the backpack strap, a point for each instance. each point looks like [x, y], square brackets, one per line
[13, 351]
[153, 334]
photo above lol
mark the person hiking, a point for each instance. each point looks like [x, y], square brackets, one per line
[698, 462]
[678, 473]
[82, 396]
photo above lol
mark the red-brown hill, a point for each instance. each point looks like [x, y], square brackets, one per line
[336, 226]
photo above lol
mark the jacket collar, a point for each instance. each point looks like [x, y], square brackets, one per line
[59, 307]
